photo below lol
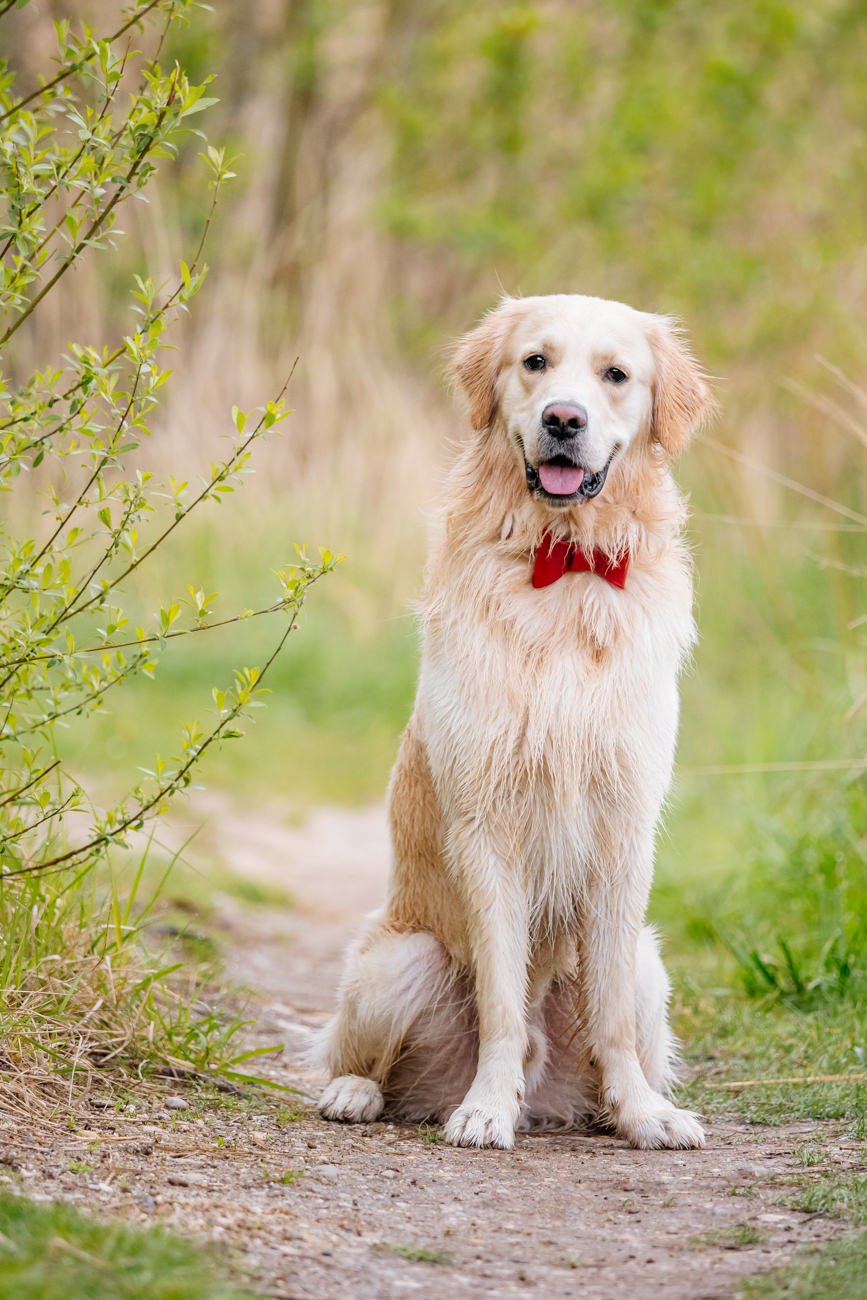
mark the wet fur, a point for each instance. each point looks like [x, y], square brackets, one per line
[509, 980]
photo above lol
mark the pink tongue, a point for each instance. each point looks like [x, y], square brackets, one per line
[561, 480]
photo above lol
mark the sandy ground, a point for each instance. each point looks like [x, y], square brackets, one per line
[310, 1209]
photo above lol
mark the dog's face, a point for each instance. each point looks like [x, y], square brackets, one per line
[574, 382]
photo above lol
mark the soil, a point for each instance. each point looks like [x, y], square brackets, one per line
[311, 1209]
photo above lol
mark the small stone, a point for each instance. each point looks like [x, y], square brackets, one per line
[147, 1202]
[176, 1103]
[186, 1178]
[328, 1172]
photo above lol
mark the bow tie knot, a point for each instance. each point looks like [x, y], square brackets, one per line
[556, 557]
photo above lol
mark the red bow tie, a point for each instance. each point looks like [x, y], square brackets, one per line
[556, 557]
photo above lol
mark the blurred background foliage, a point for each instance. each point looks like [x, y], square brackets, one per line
[401, 164]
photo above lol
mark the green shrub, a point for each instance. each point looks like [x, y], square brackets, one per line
[83, 516]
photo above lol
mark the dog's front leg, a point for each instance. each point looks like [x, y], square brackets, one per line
[498, 928]
[613, 916]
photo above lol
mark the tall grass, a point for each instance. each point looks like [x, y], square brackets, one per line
[96, 1000]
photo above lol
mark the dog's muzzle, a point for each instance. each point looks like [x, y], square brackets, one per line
[563, 482]
[559, 477]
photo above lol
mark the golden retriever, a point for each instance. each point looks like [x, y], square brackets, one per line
[510, 980]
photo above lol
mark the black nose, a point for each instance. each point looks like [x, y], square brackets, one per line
[564, 419]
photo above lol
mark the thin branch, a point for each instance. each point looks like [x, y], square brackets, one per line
[44, 198]
[113, 356]
[47, 817]
[12, 795]
[113, 138]
[82, 703]
[107, 646]
[110, 551]
[101, 464]
[76, 67]
[174, 783]
[98, 222]
[220, 477]
[11, 667]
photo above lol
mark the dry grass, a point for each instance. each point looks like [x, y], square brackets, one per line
[99, 998]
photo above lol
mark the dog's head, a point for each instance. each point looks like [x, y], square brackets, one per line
[574, 383]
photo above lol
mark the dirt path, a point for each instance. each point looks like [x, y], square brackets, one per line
[311, 1209]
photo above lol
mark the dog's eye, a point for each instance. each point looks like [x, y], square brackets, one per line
[535, 361]
[615, 375]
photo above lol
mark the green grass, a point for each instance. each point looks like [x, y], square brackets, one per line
[808, 1155]
[770, 963]
[419, 1254]
[736, 1237]
[52, 1252]
[288, 1178]
[790, 905]
[843, 1197]
[729, 1037]
[339, 698]
[287, 1115]
[837, 1271]
[103, 977]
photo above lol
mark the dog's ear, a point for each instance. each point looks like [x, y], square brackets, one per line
[682, 400]
[475, 364]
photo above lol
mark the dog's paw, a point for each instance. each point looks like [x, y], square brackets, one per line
[352, 1099]
[480, 1126]
[659, 1126]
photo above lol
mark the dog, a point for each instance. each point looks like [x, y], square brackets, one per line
[510, 981]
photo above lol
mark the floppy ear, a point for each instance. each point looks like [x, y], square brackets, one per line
[682, 400]
[475, 363]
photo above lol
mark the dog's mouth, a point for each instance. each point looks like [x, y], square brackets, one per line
[562, 482]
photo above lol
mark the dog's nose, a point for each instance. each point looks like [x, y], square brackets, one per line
[564, 419]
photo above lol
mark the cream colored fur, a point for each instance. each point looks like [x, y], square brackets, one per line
[510, 979]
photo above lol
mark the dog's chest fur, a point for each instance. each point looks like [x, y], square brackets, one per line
[545, 711]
